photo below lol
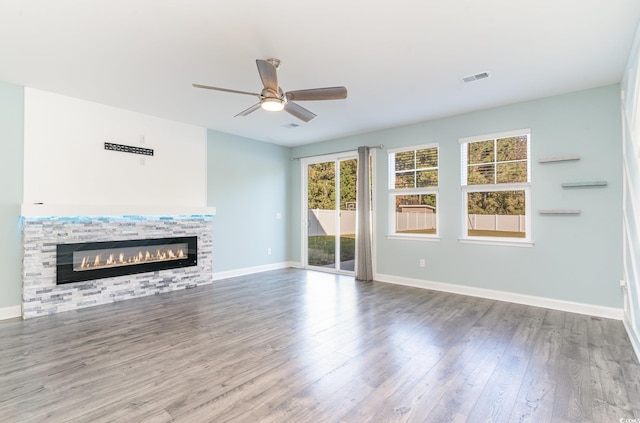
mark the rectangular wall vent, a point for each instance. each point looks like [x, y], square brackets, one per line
[476, 77]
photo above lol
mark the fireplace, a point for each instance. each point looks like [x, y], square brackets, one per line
[96, 260]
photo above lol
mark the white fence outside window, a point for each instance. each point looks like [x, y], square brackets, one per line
[323, 222]
[414, 221]
[496, 222]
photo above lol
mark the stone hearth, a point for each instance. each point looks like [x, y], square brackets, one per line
[41, 234]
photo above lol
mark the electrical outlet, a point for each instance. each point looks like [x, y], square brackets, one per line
[623, 283]
[268, 251]
[278, 216]
[422, 263]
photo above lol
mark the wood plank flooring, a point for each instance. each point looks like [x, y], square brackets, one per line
[298, 346]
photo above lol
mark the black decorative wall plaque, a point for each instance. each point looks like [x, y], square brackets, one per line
[128, 149]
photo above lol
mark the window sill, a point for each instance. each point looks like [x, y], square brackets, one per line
[414, 237]
[502, 242]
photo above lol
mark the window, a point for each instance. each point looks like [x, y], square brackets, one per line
[413, 191]
[495, 187]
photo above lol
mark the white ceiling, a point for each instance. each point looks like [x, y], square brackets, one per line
[402, 61]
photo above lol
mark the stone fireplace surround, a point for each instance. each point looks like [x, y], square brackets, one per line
[42, 231]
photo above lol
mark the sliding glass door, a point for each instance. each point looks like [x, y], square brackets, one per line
[330, 202]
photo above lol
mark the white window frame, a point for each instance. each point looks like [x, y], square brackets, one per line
[394, 192]
[518, 186]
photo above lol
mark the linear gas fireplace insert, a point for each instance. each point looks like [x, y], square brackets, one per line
[96, 260]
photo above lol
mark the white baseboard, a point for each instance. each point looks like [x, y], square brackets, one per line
[296, 265]
[251, 270]
[10, 312]
[572, 307]
[634, 335]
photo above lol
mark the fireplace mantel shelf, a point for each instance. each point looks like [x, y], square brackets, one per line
[43, 210]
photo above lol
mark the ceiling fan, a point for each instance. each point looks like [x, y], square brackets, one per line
[273, 98]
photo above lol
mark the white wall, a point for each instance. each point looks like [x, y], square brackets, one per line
[65, 161]
[630, 96]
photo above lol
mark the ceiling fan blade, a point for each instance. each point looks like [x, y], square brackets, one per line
[329, 93]
[225, 90]
[299, 111]
[268, 74]
[249, 110]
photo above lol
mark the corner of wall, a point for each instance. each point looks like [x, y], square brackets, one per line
[11, 169]
[630, 105]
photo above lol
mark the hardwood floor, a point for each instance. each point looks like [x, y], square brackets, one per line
[298, 346]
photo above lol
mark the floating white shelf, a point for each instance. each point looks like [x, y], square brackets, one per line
[558, 159]
[593, 184]
[559, 211]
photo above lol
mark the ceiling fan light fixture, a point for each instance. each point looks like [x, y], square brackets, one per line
[274, 99]
[272, 104]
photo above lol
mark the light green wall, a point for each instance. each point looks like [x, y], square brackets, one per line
[574, 258]
[247, 181]
[11, 180]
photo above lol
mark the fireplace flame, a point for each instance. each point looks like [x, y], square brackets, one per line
[120, 258]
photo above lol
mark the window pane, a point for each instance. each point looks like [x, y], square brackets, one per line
[405, 180]
[512, 148]
[481, 174]
[427, 158]
[416, 214]
[322, 186]
[511, 172]
[496, 214]
[480, 152]
[348, 175]
[405, 160]
[427, 178]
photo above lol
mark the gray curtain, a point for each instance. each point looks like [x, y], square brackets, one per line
[364, 267]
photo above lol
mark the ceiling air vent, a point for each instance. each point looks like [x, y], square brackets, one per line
[476, 77]
[291, 125]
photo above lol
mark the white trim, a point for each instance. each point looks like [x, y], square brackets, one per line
[391, 172]
[304, 166]
[513, 186]
[466, 189]
[304, 211]
[488, 137]
[45, 210]
[345, 155]
[634, 336]
[331, 270]
[496, 241]
[416, 237]
[251, 270]
[10, 312]
[414, 191]
[374, 252]
[392, 223]
[393, 192]
[568, 306]
[526, 241]
[415, 147]
[295, 265]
